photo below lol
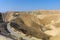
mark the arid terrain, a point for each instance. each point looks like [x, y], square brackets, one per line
[31, 25]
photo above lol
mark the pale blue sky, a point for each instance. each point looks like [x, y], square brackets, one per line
[27, 5]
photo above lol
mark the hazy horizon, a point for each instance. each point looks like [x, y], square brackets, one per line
[28, 5]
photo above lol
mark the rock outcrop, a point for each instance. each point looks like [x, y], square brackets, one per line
[33, 25]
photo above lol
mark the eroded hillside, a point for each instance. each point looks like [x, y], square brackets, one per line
[33, 25]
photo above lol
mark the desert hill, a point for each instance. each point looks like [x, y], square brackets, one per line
[32, 20]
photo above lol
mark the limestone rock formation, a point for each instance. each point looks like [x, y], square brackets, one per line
[33, 25]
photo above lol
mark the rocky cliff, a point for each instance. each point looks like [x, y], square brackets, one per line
[31, 25]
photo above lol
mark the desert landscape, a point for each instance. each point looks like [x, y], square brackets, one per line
[30, 25]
